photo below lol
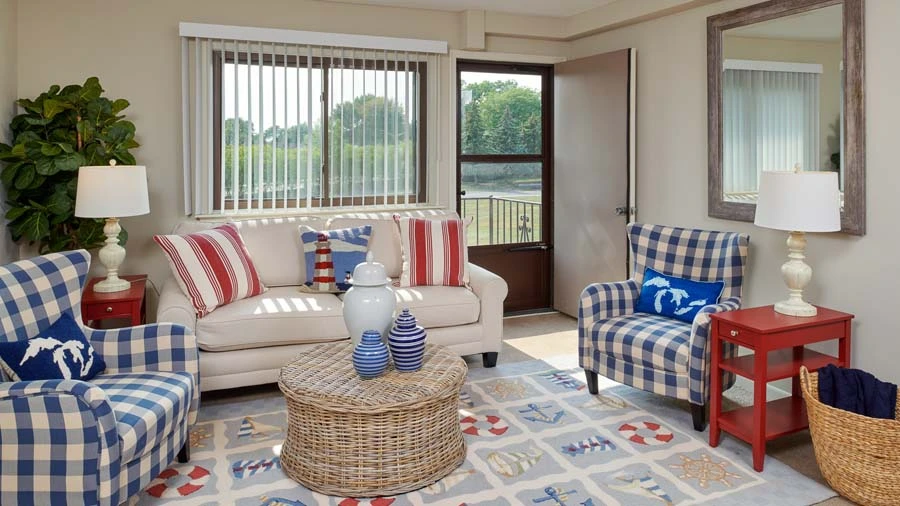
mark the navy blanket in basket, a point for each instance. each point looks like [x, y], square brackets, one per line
[857, 391]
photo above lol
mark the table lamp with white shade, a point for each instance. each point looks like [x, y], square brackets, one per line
[798, 202]
[112, 192]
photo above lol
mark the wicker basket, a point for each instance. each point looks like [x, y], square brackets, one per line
[362, 438]
[858, 456]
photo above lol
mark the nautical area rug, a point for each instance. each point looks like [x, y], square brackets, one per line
[535, 436]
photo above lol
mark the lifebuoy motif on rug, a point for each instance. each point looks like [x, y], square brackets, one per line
[161, 487]
[473, 425]
[661, 435]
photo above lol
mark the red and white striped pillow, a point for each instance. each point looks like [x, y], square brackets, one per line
[434, 252]
[212, 267]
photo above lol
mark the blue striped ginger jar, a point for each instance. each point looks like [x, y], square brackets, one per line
[370, 356]
[407, 342]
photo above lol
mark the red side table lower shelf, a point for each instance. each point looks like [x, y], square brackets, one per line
[779, 345]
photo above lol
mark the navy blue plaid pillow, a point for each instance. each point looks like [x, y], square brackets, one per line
[59, 352]
[676, 297]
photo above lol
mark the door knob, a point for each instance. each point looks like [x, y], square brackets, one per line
[620, 211]
[462, 193]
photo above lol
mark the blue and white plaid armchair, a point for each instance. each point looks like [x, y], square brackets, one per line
[651, 352]
[74, 442]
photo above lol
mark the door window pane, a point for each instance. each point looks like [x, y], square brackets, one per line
[500, 113]
[504, 202]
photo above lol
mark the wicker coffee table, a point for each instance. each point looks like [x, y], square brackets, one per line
[364, 438]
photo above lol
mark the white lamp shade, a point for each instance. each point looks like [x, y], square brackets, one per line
[799, 201]
[112, 191]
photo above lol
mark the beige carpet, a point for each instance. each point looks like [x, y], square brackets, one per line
[554, 339]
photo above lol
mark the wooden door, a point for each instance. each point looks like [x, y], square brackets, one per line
[594, 172]
[505, 175]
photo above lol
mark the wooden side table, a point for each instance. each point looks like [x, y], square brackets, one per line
[130, 304]
[778, 342]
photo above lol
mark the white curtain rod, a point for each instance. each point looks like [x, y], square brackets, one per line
[281, 36]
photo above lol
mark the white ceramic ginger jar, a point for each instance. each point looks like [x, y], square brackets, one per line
[369, 303]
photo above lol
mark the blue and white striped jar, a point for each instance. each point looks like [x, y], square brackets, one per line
[407, 342]
[370, 356]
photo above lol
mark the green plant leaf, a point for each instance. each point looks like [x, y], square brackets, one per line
[54, 90]
[119, 132]
[9, 173]
[69, 162]
[66, 147]
[119, 105]
[60, 203]
[25, 177]
[14, 212]
[50, 150]
[52, 107]
[46, 166]
[125, 158]
[37, 121]
[90, 90]
[30, 105]
[34, 226]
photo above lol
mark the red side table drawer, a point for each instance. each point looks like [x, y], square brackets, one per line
[108, 310]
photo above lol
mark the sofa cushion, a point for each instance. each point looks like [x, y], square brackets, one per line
[212, 267]
[385, 241]
[273, 243]
[439, 306]
[148, 407]
[283, 315]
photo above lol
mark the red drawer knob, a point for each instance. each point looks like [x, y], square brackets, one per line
[734, 333]
[109, 310]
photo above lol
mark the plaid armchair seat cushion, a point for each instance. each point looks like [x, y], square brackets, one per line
[147, 406]
[647, 340]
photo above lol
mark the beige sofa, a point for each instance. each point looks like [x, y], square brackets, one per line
[248, 341]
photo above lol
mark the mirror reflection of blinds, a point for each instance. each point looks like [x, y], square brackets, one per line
[300, 126]
[770, 121]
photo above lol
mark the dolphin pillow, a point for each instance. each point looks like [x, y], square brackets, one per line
[59, 352]
[676, 297]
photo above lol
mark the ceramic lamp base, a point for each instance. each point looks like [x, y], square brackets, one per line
[795, 308]
[109, 284]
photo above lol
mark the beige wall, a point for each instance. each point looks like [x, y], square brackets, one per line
[855, 274]
[826, 53]
[134, 48]
[7, 105]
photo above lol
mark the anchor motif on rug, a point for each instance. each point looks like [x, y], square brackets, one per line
[644, 486]
[589, 445]
[564, 380]
[559, 497]
[540, 416]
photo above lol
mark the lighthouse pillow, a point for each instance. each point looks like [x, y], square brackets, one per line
[676, 297]
[331, 256]
[59, 352]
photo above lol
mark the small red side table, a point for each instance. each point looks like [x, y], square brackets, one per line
[129, 304]
[778, 342]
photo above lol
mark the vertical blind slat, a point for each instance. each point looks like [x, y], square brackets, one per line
[309, 146]
[396, 124]
[188, 171]
[249, 146]
[284, 176]
[341, 125]
[235, 150]
[408, 113]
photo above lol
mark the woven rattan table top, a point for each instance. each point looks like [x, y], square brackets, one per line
[325, 374]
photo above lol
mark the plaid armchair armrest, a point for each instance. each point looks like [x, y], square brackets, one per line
[166, 347]
[600, 301]
[58, 444]
[700, 359]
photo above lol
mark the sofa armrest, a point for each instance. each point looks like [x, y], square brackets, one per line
[66, 428]
[491, 290]
[174, 306]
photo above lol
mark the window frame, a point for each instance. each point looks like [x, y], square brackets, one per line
[325, 64]
[545, 157]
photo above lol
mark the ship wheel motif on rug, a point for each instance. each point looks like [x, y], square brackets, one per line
[704, 470]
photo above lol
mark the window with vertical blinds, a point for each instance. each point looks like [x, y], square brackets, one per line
[280, 126]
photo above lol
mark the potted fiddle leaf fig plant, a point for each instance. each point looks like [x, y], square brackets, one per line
[61, 130]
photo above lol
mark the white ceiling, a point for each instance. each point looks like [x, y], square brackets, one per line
[557, 8]
[820, 24]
